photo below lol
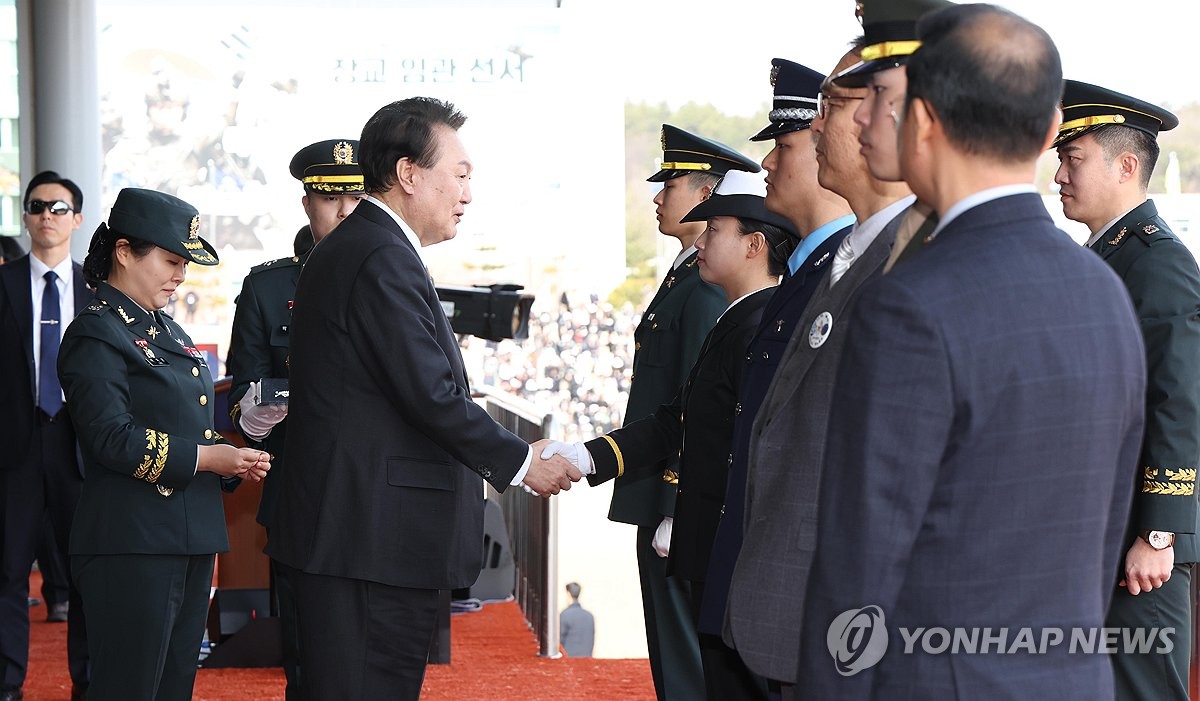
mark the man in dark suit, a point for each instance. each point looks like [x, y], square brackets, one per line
[382, 500]
[988, 408]
[39, 294]
[667, 343]
[258, 344]
[787, 437]
[1107, 148]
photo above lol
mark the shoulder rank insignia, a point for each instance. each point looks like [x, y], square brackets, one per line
[1119, 237]
[95, 307]
[125, 317]
[1150, 228]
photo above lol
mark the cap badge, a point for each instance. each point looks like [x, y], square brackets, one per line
[818, 333]
[194, 228]
[662, 137]
[1119, 237]
[343, 154]
[774, 74]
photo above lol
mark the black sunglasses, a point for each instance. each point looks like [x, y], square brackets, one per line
[57, 207]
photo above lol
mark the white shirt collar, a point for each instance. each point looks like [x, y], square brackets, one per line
[1104, 229]
[975, 199]
[683, 255]
[734, 303]
[409, 232]
[866, 232]
[65, 270]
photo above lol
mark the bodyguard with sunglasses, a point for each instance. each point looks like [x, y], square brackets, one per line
[39, 295]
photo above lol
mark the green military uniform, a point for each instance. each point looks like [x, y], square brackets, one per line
[148, 523]
[1164, 284]
[667, 342]
[258, 348]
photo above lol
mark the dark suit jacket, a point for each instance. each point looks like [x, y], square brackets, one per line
[141, 403]
[982, 440]
[668, 340]
[18, 391]
[258, 348]
[780, 319]
[699, 422]
[1161, 276]
[787, 448]
[386, 448]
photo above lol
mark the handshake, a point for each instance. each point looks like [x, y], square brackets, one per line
[555, 466]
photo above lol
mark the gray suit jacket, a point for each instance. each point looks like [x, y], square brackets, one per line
[982, 442]
[787, 447]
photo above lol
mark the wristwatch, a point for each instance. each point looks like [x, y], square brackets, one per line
[1159, 540]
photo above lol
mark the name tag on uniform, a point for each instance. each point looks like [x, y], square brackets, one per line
[151, 358]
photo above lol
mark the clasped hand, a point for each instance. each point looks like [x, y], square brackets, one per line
[257, 419]
[229, 461]
[550, 471]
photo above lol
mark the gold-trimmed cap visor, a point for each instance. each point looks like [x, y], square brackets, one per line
[1087, 107]
[685, 153]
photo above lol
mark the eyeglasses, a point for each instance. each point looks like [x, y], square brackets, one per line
[57, 207]
[824, 102]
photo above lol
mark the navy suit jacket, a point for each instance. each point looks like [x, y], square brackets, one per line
[386, 450]
[779, 320]
[983, 438]
[18, 391]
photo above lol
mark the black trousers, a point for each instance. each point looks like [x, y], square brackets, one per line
[1153, 675]
[360, 639]
[289, 632]
[146, 615]
[726, 676]
[48, 482]
[671, 639]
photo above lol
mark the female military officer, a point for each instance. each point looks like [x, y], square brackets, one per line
[149, 517]
[743, 250]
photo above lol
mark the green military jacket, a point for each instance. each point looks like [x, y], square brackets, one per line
[141, 401]
[1164, 283]
[667, 342]
[258, 348]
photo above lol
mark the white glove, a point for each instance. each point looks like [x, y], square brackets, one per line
[257, 420]
[662, 537]
[575, 453]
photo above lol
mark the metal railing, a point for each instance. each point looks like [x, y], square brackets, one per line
[532, 524]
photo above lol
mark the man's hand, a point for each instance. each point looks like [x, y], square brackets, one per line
[550, 476]
[576, 453]
[256, 419]
[1146, 568]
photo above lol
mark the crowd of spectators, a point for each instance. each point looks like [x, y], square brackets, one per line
[575, 365]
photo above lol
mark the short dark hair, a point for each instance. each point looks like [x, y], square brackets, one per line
[402, 129]
[49, 177]
[1115, 139]
[780, 244]
[10, 249]
[992, 77]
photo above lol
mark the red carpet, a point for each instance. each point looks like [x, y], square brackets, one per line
[493, 658]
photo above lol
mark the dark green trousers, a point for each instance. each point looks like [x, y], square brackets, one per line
[1158, 676]
[145, 618]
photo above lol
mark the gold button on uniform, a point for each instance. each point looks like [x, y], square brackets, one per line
[208, 433]
[203, 400]
[195, 372]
